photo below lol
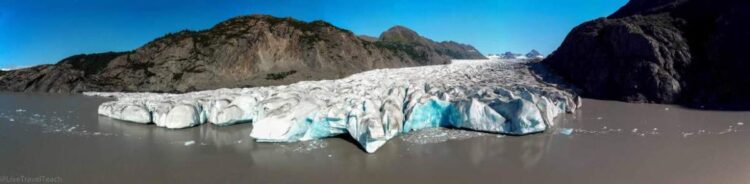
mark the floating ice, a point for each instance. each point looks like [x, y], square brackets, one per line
[438, 135]
[371, 107]
[188, 143]
[566, 131]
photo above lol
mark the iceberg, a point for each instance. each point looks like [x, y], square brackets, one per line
[371, 107]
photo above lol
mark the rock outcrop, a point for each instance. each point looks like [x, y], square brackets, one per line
[663, 51]
[255, 50]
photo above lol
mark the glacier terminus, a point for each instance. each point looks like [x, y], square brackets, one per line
[493, 96]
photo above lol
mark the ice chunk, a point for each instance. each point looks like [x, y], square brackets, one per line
[230, 115]
[290, 119]
[364, 125]
[566, 131]
[213, 108]
[523, 115]
[188, 143]
[159, 111]
[430, 114]
[136, 113]
[183, 116]
[476, 115]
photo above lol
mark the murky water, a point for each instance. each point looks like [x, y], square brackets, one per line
[61, 136]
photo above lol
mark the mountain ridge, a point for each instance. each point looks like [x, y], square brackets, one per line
[239, 52]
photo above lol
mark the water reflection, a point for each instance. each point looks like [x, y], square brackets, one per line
[524, 151]
[235, 137]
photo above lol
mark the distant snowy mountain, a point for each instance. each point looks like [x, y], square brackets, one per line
[509, 55]
[493, 56]
[12, 68]
[534, 54]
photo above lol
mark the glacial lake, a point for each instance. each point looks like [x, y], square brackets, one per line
[61, 136]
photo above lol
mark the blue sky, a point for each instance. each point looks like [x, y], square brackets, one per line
[44, 31]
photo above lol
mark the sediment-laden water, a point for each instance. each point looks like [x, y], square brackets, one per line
[62, 136]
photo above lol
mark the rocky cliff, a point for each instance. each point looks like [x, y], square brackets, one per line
[255, 50]
[663, 51]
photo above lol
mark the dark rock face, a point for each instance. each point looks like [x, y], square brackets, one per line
[239, 52]
[662, 51]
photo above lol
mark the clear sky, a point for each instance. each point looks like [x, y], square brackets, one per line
[44, 31]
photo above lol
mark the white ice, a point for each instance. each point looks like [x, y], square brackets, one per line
[498, 96]
[188, 143]
[566, 131]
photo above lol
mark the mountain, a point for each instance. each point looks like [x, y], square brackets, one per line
[690, 52]
[71, 73]
[509, 55]
[256, 50]
[534, 54]
[402, 38]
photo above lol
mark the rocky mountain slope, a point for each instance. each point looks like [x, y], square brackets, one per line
[402, 38]
[664, 51]
[255, 50]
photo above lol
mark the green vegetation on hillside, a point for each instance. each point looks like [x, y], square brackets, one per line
[280, 75]
[91, 63]
[408, 48]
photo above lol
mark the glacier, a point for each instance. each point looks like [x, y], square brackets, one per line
[492, 96]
